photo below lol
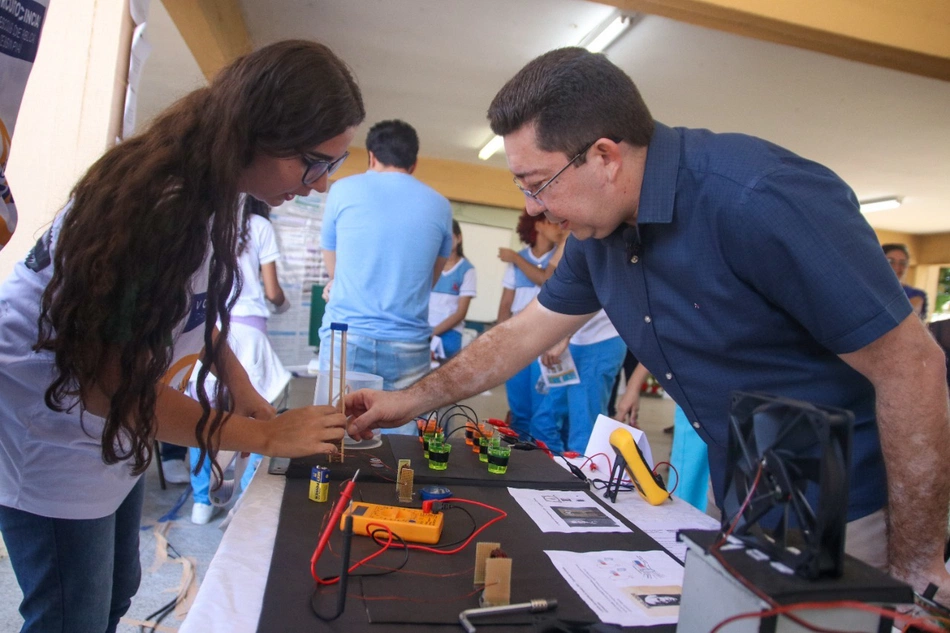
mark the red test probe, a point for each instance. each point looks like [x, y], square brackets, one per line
[338, 508]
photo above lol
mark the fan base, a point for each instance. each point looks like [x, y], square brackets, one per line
[711, 593]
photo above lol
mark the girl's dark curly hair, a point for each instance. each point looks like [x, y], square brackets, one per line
[526, 229]
[145, 215]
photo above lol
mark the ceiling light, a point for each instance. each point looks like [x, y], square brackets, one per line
[492, 146]
[600, 39]
[883, 204]
[597, 41]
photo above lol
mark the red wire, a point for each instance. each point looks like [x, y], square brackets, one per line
[590, 460]
[501, 515]
[748, 498]
[389, 540]
[923, 623]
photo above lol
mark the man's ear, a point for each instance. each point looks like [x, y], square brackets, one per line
[412, 168]
[372, 161]
[609, 154]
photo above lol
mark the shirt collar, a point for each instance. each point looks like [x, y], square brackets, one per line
[659, 177]
[658, 189]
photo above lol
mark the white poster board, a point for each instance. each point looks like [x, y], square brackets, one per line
[481, 244]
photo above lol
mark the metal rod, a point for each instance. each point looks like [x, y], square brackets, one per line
[534, 606]
[342, 371]
[342, 383]
[330, 376]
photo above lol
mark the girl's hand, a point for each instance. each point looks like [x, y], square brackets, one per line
[552, 357]
[507, 255]
[251, 404]
[305, 431]
[629, 406]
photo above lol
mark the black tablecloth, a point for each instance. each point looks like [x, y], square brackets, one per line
[432, 589]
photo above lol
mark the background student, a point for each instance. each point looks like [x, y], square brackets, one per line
[248, 337]
[385, 239]
[451, 297]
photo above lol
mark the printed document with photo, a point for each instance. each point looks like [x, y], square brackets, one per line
[566, 511]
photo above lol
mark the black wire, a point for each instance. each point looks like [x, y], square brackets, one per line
[600, 484]
[464, 407]
[162, 613]
[444, 422]
[165, 610]
[448, 435]
[464, 538]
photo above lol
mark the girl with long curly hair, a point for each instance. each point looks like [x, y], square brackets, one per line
[102, 323]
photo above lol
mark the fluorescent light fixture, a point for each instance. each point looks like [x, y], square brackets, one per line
[599, 42]
[492, 146]
[883, 204]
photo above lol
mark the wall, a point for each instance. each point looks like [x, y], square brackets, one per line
[65, 117]
[484, 230]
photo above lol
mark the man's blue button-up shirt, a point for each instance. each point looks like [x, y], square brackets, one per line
[750, 268]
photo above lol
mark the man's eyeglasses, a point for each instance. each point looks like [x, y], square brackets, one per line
[897, 262]
[317, 167]
[535, 194]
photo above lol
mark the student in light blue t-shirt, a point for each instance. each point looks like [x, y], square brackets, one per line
[386, 237]
[451, 296]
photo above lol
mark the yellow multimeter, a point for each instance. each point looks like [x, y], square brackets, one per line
[630, 459]
[409, 524]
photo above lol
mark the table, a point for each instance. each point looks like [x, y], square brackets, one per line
[229, 599]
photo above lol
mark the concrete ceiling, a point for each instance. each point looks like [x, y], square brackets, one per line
[438, 63]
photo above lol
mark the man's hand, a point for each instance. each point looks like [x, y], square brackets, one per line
[552, 357]
[326, 291]
[371, 409]
[507, 255]
[305, 431]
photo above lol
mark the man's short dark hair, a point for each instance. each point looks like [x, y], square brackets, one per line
[394, 143]
[573, 97]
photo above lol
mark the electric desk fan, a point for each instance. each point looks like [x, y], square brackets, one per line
[798, 509]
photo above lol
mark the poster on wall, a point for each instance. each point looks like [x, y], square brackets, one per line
[21, 22]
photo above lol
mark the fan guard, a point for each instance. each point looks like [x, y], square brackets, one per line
[798, 511]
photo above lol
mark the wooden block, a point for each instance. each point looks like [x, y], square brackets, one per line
[405, 485]
[497, 582]
[403, 463]
[482, 553]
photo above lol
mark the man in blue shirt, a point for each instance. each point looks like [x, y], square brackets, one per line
[725, 263]
[386, 237]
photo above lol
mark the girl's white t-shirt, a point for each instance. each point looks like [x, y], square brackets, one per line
[51, 462]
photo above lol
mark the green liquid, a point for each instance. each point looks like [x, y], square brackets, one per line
[497, 459]
[439, 460]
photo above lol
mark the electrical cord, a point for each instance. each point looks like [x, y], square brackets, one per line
[166, 609]
[787, 610]
[461, 540]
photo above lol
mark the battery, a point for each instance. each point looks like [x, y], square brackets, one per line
[319, 483]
